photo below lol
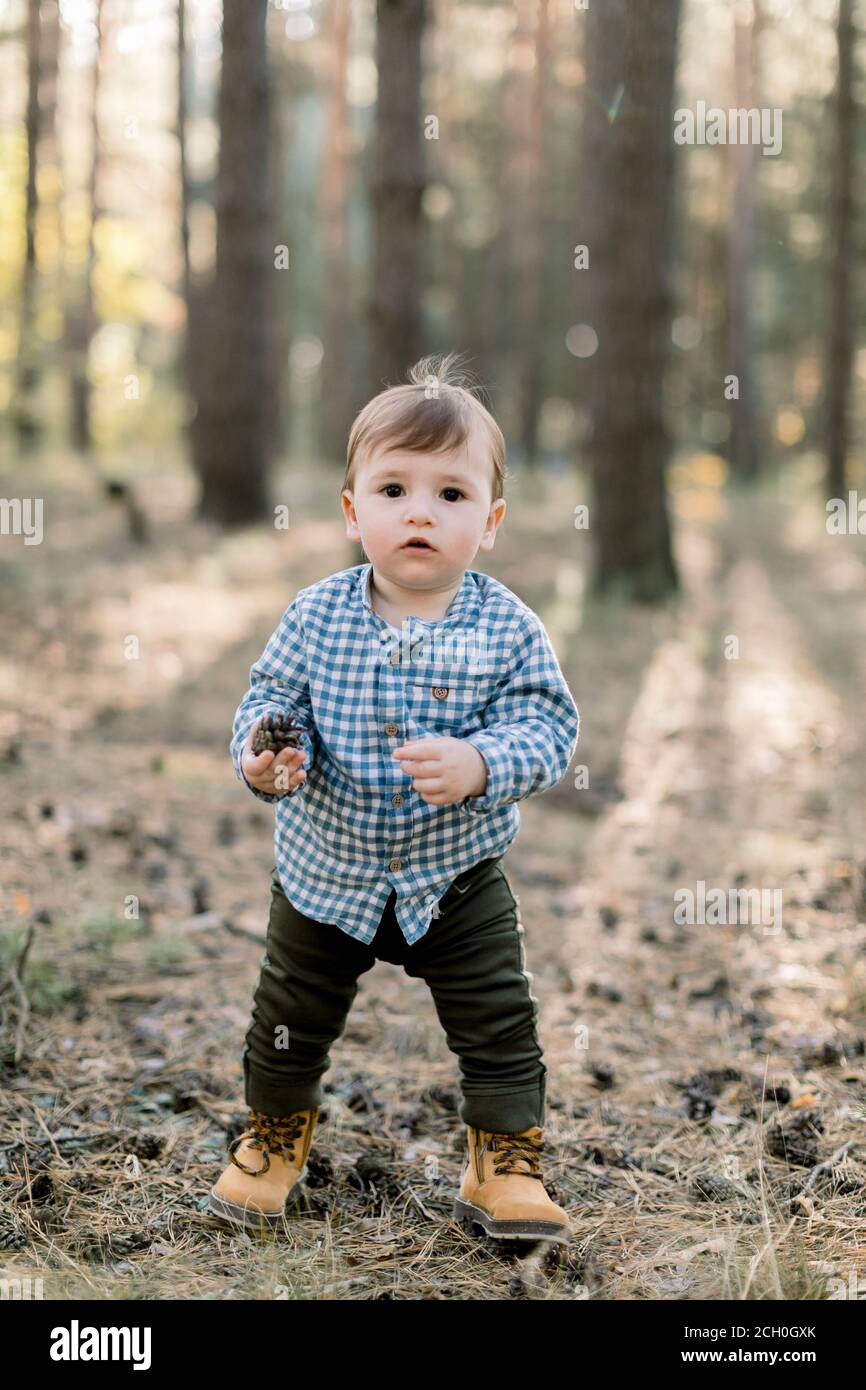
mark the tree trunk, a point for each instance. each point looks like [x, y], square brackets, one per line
[194, 348]
[532, 210]
[397, 186]
[493, 329]
[231, 434]
[744, 454]
[26, 366]
[81, 317]
[627, 181]
[839, 345]
[279, 142]
[334, 414]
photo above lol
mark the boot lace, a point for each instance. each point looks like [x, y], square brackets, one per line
[512, 1150]
[271, 1135]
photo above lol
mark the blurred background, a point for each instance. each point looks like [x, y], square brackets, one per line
[219, 238]
[222, 229]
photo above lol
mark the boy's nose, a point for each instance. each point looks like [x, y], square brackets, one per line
[418, 512]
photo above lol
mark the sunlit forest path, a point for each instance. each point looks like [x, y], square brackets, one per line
[699, 1072]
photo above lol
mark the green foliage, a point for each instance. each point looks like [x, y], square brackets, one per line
[107, 929]
[168, 949]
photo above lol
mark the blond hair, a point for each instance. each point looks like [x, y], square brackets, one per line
[436, 410]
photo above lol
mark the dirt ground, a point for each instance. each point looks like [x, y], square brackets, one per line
[707, 1081]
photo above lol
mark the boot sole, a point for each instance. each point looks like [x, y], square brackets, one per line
[466, 1213]
[250, 1217]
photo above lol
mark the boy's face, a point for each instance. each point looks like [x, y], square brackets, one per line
[444, 498]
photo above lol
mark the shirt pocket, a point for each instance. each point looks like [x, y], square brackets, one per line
[446, 703]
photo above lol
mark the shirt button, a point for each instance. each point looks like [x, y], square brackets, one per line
[394, 865]
[440, 692]
[397, 799]
[390, 728]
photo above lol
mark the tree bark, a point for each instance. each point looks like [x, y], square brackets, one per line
[398, 180]
[531, 212]
[81, 317]
[491, 328]
[232, 432]
[279, 137]
[627, 183]
[744, 453]
[26, 366]
[336, 385]
[193, 350]
[839, 345]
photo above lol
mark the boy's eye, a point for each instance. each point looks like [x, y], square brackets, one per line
[398, 486]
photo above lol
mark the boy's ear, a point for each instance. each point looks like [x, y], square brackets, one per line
[494, 521]
[352, 531]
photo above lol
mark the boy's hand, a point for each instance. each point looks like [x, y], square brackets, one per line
[272, 773]
[445, 770]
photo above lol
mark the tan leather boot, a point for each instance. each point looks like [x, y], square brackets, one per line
[503, 1191]
[267, 1161]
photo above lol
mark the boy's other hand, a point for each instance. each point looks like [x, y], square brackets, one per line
[272, 773]
[445, 770]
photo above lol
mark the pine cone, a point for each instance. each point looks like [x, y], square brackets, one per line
[276, 732]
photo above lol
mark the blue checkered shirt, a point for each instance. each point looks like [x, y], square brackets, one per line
[355, 829]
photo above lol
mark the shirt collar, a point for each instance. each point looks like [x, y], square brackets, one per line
[462, 610]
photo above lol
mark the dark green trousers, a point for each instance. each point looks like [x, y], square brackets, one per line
[472, 958]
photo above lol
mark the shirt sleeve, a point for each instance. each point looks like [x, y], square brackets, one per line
[278, 685]
[531, 725]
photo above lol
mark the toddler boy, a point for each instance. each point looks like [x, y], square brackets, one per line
[429, 702]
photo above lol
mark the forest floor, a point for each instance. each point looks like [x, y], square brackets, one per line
[707, 1082]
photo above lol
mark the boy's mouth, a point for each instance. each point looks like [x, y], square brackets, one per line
[416, 543]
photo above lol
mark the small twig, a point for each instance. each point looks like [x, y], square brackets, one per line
[42, 1125]
[16, 969]
[827, 1165]
[244, 931]
[419, 1204]
[14, 973]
